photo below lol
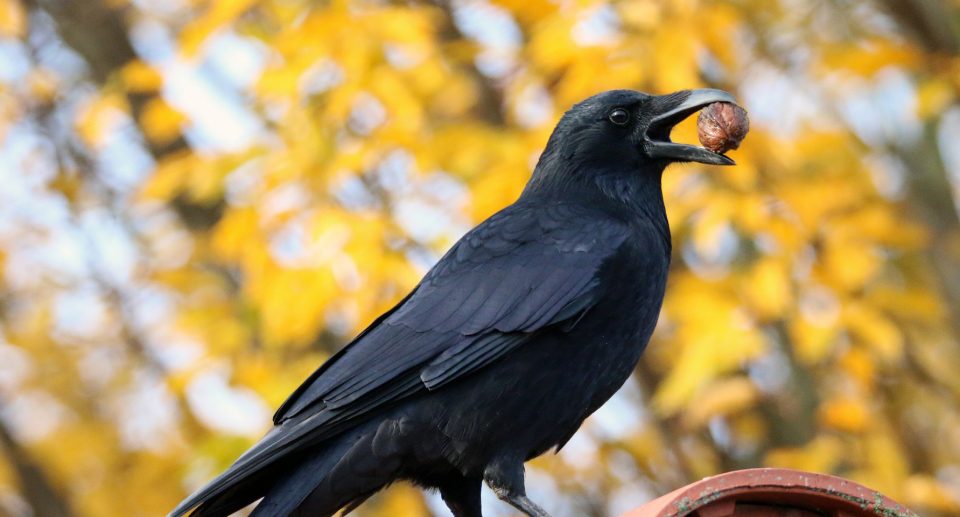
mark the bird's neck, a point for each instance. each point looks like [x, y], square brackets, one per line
[640, 196]
[630, 191]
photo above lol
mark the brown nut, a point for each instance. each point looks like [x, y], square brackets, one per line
[721, 126]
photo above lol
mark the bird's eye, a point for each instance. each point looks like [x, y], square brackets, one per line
[619, 116]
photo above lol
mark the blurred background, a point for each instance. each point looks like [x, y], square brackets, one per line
[201, 200]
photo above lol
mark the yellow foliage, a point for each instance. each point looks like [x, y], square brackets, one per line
[813, 202]
[865, 58]
[413, 27]
[12, 18]
[160, 121]
[293, 303]
[820, 336]
[642, 14]
[551, 46]
[845, 414]
[875, 330]
[169, 177]
[885, 467]
[879, 224]
[859, 366]
[716, 23]
[100, 119]
[849, 264]
[259, 371]
[925, 491]
[217, 325]
[720, 398]
[749, 428]
[233, 234]
[917, 304]
[812, 341]
[717, 338]
[674, 58]
[933, 96]
[44, 85]
[217, 13]
[138, 76]
[822, 454]
[646, 445]
[401, 500]
[528, 11]
[494, 188]
[768, 288]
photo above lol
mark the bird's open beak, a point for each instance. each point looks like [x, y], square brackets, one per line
[673, 108]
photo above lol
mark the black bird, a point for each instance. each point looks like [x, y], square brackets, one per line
[523, 329]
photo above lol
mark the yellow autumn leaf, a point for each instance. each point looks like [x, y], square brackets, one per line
[716, 23]
[528, 12]
[720, 398]
[859, 365]
[867, 57]
[169, 177]
[822, 454]
[768, 288]
[675, 54]
[811, 202]
[642, 14]
[875, 330]
[13, 20]
[98, 121]
[812, 341]
[293, 304]
[160, 121]
[933, 96]
[44, 85]
[406, 26]
[845, 414]
[218, 13]
[551, 44]
[886, 466]
[401, 500]
[850, 264]
[493, 189]
[138, 76]
[749, 428]
[719, 342]
[925, 491]
[235, 232]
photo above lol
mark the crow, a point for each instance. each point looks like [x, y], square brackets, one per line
[525, 327]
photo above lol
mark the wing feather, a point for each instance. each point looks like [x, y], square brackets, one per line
[469, 356]
[522, 270]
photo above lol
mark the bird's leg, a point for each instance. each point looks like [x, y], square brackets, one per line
[462, 496]
[506, 481]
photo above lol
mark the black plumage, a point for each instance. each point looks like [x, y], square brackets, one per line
[525, 327]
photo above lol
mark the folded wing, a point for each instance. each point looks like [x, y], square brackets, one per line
[521, 271]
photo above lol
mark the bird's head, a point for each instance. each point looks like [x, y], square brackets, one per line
[625, 133]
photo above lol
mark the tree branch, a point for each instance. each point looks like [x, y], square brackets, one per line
[35, 487]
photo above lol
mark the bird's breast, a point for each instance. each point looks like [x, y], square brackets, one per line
[633, 283]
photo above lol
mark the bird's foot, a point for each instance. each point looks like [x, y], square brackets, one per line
[522, 503]
[505, 478]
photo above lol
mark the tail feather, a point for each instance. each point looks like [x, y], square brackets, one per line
[309, 479]
[236, 487]
[342, 474]
[217, 500]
